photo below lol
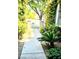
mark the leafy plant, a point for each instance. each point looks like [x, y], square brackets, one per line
[51, 12]
[21, 29]
[52, 35]
[42, 29]
[48, 37]
[54, 53]
[57, 31]
[21, 18]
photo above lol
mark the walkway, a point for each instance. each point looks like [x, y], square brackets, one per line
[32, 49]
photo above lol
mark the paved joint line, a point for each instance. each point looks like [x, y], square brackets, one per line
[34, 53]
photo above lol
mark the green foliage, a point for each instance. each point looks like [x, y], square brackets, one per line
[42, 30]
[54, 53]
[21, 29]
[21, 10]
[51, 13]
[21, 18]
[51, 35]
[30, 14]
[50, 27]
[38, 6]
[57, 31]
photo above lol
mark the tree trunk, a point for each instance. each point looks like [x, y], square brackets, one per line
[41, 20]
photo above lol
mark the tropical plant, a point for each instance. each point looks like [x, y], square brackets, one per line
[52, 35]
[57, 31]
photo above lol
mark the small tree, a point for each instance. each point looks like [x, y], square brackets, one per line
[39, 6]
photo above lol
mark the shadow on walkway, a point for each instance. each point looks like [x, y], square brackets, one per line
[20, 47]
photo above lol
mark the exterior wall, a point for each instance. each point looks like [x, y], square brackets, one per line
[58, 16]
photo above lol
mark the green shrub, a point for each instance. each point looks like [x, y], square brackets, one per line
[57, 31]
[51, 13]
[21, 29]
[54, 53]
[42, 29]
[50, 27]
[21, 18]
[48, 37]
[51, 35]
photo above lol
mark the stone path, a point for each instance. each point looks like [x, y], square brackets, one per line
[33, 49]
